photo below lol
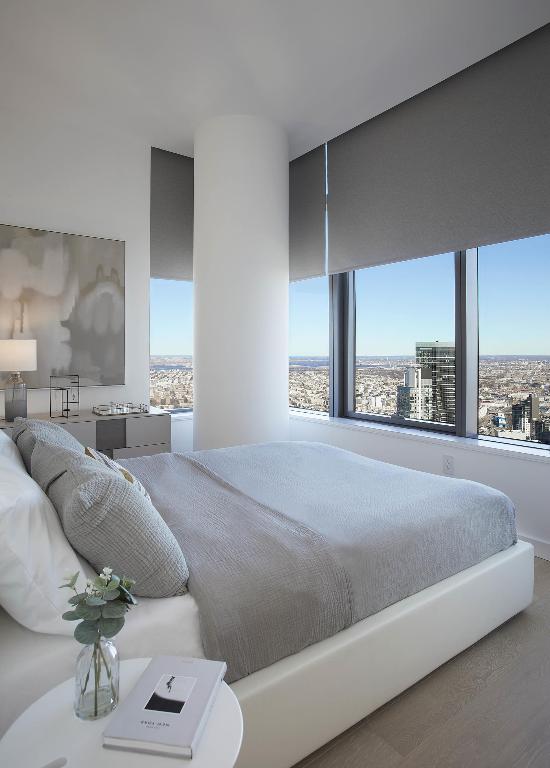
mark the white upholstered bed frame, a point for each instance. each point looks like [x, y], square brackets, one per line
[298, 704]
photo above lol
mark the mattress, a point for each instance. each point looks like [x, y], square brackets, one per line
[290, 543]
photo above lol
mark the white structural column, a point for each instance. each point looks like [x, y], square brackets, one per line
[240, 274]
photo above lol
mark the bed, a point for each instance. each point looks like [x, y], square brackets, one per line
[404, 570]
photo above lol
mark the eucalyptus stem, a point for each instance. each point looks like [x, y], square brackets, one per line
[97, 673]
[87, 678]
[109, 672]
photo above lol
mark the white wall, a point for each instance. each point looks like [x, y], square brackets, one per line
[182, 432]
[66, 176]
[524, 477]
[240, 274]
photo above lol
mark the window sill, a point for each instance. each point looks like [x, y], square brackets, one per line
[480, 444]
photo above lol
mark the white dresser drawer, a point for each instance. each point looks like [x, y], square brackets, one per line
[148, 430]
[84, 431]
[143, 450]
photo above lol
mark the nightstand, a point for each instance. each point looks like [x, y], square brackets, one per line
[49, 733]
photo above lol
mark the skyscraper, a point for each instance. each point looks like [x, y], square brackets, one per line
[439, 358]
[414, 396]
[525, 413]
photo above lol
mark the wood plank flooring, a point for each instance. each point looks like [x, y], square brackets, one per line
[487, 708]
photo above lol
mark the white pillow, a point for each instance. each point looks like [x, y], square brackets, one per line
[35, 556]
[10, 450]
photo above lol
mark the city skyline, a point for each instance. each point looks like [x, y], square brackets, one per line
[514, 391]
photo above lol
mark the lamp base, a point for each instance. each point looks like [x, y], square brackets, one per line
[15, 398]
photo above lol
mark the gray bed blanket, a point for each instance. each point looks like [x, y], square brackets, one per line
[288, 543]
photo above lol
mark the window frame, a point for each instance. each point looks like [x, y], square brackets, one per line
[342, 362]
[342, 358]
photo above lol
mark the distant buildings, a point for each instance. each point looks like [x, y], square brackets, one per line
[308, 385]
[514, 392]
[525, 413]
[171, 382]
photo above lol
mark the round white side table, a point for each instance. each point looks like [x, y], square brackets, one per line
[48, 732]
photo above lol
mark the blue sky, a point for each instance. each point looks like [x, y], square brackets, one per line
[171, 317]
[514, 279]
[400, 304]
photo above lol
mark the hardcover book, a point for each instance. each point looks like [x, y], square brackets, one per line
[166, 711]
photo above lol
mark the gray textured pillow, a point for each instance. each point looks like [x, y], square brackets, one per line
[28, 431]
[114, 465]
[49, 462]
[109, 522]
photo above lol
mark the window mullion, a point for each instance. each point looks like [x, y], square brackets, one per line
[339, 343]
[467, 343]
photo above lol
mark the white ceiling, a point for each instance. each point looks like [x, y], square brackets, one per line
[157, 68]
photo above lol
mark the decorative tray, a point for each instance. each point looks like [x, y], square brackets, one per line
[115, 409]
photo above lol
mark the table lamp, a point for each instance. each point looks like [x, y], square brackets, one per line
[16, 355]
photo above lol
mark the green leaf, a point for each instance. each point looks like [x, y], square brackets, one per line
[74, 579]
[75, 599]
[127, 596]
[115, 581]
[110, 627]
[93, 600]
[87, 632]
[113, 610]
[111, 594]
[91, 612]
[71, 616]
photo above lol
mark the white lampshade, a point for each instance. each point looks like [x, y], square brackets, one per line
[17, 354]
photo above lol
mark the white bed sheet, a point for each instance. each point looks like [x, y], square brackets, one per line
[33, 662]
[166, 626]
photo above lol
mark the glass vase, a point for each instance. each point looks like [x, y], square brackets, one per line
[96, 680]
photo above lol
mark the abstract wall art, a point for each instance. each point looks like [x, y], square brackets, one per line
[67, 292]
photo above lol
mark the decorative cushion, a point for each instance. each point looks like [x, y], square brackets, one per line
[35, 556]
[116, 467]
[110, 523]
[28, 431]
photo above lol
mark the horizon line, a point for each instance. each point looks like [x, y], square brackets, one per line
[373, 357]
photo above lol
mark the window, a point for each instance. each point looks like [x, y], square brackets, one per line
[309, 344]
[458, 342]
[514, 340]
[405, 341]
[171, 344]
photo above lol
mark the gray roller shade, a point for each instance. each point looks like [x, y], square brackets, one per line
[464, 164]
[171, 215]
[307, 203]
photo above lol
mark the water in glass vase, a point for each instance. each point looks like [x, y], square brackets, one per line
[96, 680]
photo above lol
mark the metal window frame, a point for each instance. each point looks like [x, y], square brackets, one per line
[342, 333]
[342, 357]
[467, 343]
[343, 353]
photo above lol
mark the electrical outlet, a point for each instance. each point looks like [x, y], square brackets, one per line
[449, 466]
